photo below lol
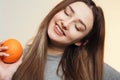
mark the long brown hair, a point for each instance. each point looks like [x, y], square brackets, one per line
[77, 63]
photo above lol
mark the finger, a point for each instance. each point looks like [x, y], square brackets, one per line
[3, 48]
[1, 42]
[4, 54]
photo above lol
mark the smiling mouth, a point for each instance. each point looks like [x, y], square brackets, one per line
[58, 30]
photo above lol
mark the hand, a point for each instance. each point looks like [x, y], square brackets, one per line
[7, 70]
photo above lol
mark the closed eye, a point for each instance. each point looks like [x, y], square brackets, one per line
[66, 12]
[77, 28]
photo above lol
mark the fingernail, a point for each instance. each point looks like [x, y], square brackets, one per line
[6, 47]
[2, 41]
[7, 55]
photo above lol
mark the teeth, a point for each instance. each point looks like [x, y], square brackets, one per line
[59, 29]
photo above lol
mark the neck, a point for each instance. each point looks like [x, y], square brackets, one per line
[55, 50]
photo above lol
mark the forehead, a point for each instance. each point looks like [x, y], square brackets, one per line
[83, 12]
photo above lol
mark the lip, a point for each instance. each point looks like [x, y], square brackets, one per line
[58, 30]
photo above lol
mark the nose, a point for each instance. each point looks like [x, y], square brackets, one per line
[64, 26]
[66, 23]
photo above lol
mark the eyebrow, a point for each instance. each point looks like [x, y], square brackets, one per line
[79, 19]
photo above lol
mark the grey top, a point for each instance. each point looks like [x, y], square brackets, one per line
[51, 67]
[53, 61]
[109, 73]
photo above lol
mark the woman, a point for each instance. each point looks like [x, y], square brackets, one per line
[73, 33]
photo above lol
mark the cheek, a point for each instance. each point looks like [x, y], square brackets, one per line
[59, 16]
[74, 35]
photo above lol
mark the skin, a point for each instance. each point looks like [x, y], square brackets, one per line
[69, 26]
[64, 29]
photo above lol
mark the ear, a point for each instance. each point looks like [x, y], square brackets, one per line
[78, 43]
[85, 42]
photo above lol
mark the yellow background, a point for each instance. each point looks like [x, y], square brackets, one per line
[20, 19]
[112, 42]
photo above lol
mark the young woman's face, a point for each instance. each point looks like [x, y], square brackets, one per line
[70, 25]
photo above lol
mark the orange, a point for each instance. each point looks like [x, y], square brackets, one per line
[14, 50]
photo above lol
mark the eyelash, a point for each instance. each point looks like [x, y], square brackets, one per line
[66, 12]
[69, 15]
[76, 28]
